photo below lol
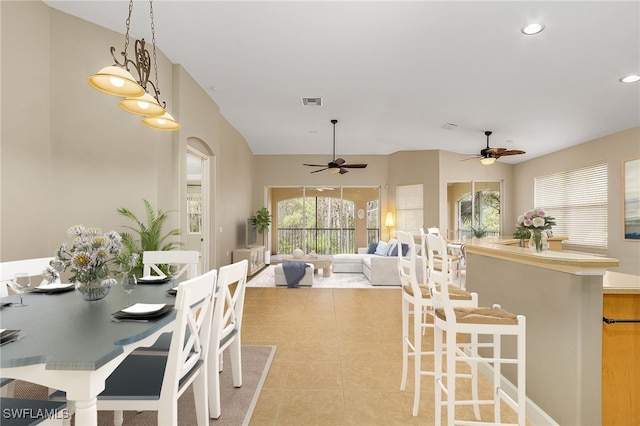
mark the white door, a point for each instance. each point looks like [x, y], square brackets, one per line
[197, 205]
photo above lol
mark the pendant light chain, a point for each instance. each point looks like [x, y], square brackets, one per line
[153, 43]
[126, 35]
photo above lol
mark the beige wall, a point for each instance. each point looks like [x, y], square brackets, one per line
[613, 149]
[71, 155]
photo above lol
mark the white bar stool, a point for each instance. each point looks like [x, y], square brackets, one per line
[418, 296]
[474, 321]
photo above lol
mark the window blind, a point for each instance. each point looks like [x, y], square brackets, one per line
[409, 205]
[577, 199]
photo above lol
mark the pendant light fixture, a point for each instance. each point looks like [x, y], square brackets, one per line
[142, 96]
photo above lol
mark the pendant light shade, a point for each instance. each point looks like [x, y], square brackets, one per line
[145, 105]
[163, 122]
[116, 81]
[142, 95]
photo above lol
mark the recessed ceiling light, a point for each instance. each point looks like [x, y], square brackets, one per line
[631, 78]
[532, 28]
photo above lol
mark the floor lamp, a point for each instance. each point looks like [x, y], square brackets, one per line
[389, 223]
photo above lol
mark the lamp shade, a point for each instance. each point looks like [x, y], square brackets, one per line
[116, 81]
[142, 105]
[334, 170]
[487, 161]
[388, 222]
[163, 122]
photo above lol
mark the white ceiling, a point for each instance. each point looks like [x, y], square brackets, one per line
[393, 73]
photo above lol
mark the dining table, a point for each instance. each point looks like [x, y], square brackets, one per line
[73, 345]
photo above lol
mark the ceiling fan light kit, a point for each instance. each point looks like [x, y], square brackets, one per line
[337, 165]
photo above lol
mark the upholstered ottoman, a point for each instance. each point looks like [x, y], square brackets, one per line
[307, 280]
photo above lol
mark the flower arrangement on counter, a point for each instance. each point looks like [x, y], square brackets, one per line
[531, 224]
[88, 257]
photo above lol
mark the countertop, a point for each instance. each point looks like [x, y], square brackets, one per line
[574, 263]
[618, 283]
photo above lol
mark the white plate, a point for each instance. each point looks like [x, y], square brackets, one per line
[54, 286]
[152, 278]
[144, 308]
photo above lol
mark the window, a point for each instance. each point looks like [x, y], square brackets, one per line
[409, 214]
[194, 213]
[577, 199]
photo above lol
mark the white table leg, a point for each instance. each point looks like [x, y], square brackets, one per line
[86, 412]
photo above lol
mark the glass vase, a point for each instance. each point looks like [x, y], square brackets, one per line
[538, 241]
[93, 290]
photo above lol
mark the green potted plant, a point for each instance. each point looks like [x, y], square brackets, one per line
[150, 236]
[479, 232]
[261, 220]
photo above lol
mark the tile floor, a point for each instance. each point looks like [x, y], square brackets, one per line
[339, 358]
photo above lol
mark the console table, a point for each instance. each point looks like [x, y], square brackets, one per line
[254, 255]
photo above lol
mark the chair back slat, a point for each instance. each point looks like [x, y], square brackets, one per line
[33, 267]
[227, 314]
[191, 335]
[187, 260]
[439, 277]
[407, 261]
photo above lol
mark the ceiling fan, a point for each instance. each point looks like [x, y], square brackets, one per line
[489, 155]
[337, 165]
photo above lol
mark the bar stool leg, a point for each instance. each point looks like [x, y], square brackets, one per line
[417, 351]
[405, 343]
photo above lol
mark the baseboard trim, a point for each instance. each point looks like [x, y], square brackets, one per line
[535, 414]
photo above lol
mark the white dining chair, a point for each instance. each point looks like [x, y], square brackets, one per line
[8, 270]
[474, 322]
[226, 329]
[187, 261]
[416, 300]
[154, 382]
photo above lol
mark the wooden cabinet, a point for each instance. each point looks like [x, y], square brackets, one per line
[254, 255]
[620, 355]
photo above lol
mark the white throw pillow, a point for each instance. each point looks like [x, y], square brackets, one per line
[382, 248]
[390, 246]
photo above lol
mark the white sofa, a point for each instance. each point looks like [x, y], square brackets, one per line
[380, 269]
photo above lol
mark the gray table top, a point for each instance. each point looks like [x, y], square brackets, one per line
[68, 333]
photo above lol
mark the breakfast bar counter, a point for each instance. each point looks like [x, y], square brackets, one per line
[561, 295]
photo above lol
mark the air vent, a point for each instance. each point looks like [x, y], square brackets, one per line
[312, 101]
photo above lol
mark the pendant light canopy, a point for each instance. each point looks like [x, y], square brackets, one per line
[142, 96]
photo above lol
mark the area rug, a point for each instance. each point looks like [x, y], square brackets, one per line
[237, 403]
[266, 278]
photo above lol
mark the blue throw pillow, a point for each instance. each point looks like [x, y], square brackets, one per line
[405, 250]
[372, 248]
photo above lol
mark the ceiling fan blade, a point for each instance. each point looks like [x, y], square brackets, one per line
[475, 157]
[338, 161]
[510, 152]
[355, 166]
[343, 170]
[320, 170]
[315, 165]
